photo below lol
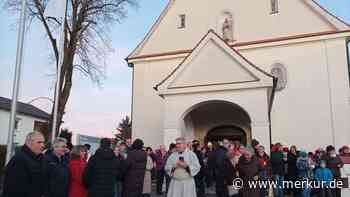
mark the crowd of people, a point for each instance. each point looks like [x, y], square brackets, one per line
[188, 168]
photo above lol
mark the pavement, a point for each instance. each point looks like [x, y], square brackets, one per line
[210, 192]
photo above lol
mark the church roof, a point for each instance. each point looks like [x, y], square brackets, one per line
[337, 23]
[236, 64]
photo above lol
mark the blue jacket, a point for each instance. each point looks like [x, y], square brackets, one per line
[304, 168]
[324, 174]
[57, 175]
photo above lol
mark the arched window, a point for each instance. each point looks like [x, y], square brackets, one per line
[279, 71]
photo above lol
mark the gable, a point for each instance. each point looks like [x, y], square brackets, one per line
[213, 65]
[252, 20]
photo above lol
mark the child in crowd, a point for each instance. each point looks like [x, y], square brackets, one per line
[324, 176]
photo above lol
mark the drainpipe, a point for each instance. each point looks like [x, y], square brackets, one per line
[272, 97]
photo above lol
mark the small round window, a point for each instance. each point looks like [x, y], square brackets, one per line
[280, 72]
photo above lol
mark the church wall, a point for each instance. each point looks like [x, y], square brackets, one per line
[252, 20]
[147, 112]
[310, 108]
[339, 88]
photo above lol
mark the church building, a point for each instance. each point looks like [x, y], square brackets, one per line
[271, 70]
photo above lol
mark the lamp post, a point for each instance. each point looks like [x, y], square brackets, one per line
[16, 82]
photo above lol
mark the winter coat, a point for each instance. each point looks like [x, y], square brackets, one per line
[160, 160]
[248, 171]
[324, 174]
[333, 164]
[277, 163]
[147, 181]
[231, 172]
[76, 187]
[201, 173]
[57, 175]
[304, 168]
[134, 168]
[101, 173]
[292, 174]
[219, 157]
[24, 175]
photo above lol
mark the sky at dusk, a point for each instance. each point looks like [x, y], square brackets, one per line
[91, 110]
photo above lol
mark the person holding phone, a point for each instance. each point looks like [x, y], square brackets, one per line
[182, 166]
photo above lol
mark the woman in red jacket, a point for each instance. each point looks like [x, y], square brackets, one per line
[76, 168]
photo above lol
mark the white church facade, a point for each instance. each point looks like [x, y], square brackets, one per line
[276, 71]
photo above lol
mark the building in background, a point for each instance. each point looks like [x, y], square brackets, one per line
[93, 141]
[29, 119]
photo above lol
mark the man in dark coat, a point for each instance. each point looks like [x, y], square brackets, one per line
[134, 168]
[57, 170]
[219, 157]
[102, 171]
[24, 173]
[199, 178]
[292, 169]
[160, 172]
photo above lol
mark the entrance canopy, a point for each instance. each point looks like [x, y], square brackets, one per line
[216, 72]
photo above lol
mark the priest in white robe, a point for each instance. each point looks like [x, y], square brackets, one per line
[182, 166]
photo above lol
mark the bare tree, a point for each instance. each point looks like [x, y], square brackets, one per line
[85, 40]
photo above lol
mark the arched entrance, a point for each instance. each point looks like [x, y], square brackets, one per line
[214, 120]
[231, 133]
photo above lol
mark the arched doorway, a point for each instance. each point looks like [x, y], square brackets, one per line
[215, 120]
[231, 133]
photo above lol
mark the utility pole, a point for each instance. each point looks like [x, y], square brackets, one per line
[59, 66]
[17, 80]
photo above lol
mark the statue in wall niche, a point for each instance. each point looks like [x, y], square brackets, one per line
[280, 72]
[227, 32]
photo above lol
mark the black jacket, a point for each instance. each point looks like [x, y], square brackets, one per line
[220, 156]
[24, 175]
[102, 173]
[134, 172]
[230, 170]
[57, 175]
[199, 155]
[277, 163]
[292, 167]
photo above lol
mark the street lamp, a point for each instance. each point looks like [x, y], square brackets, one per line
[16, 82]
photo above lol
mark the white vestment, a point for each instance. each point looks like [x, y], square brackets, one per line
[182, 183]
